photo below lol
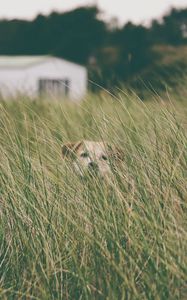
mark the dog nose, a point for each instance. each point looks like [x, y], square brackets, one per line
[92, 165]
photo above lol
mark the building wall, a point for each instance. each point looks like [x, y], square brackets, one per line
[26, 80]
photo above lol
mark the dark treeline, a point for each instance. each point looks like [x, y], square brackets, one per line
[111, 52]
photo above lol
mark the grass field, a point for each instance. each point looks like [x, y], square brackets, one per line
[62, 237]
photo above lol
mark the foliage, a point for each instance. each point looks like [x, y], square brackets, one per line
[72, 35]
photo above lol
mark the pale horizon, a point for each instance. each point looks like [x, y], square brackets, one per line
[137, 11]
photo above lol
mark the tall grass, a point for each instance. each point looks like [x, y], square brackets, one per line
[62, 237]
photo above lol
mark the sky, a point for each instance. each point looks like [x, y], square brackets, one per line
[137, 11]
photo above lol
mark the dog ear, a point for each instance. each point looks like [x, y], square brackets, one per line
[115, 152]
[69, 149]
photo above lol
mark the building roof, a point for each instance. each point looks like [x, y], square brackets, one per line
[11, 61]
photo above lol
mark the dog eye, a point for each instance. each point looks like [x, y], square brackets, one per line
[104, 157]
[84, 154]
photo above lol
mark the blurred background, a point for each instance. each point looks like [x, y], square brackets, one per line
[120, 42]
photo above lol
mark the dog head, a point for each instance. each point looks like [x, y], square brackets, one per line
[90, 157]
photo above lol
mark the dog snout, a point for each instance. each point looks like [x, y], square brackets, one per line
[93, 166]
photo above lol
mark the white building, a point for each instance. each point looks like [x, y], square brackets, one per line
[35, 76]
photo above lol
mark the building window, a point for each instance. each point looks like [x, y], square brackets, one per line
[54, 87]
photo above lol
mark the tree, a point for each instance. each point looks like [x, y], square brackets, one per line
[129, 52]
[72, 35]
[172, 29]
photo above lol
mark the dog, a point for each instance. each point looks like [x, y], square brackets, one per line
[93, 158]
